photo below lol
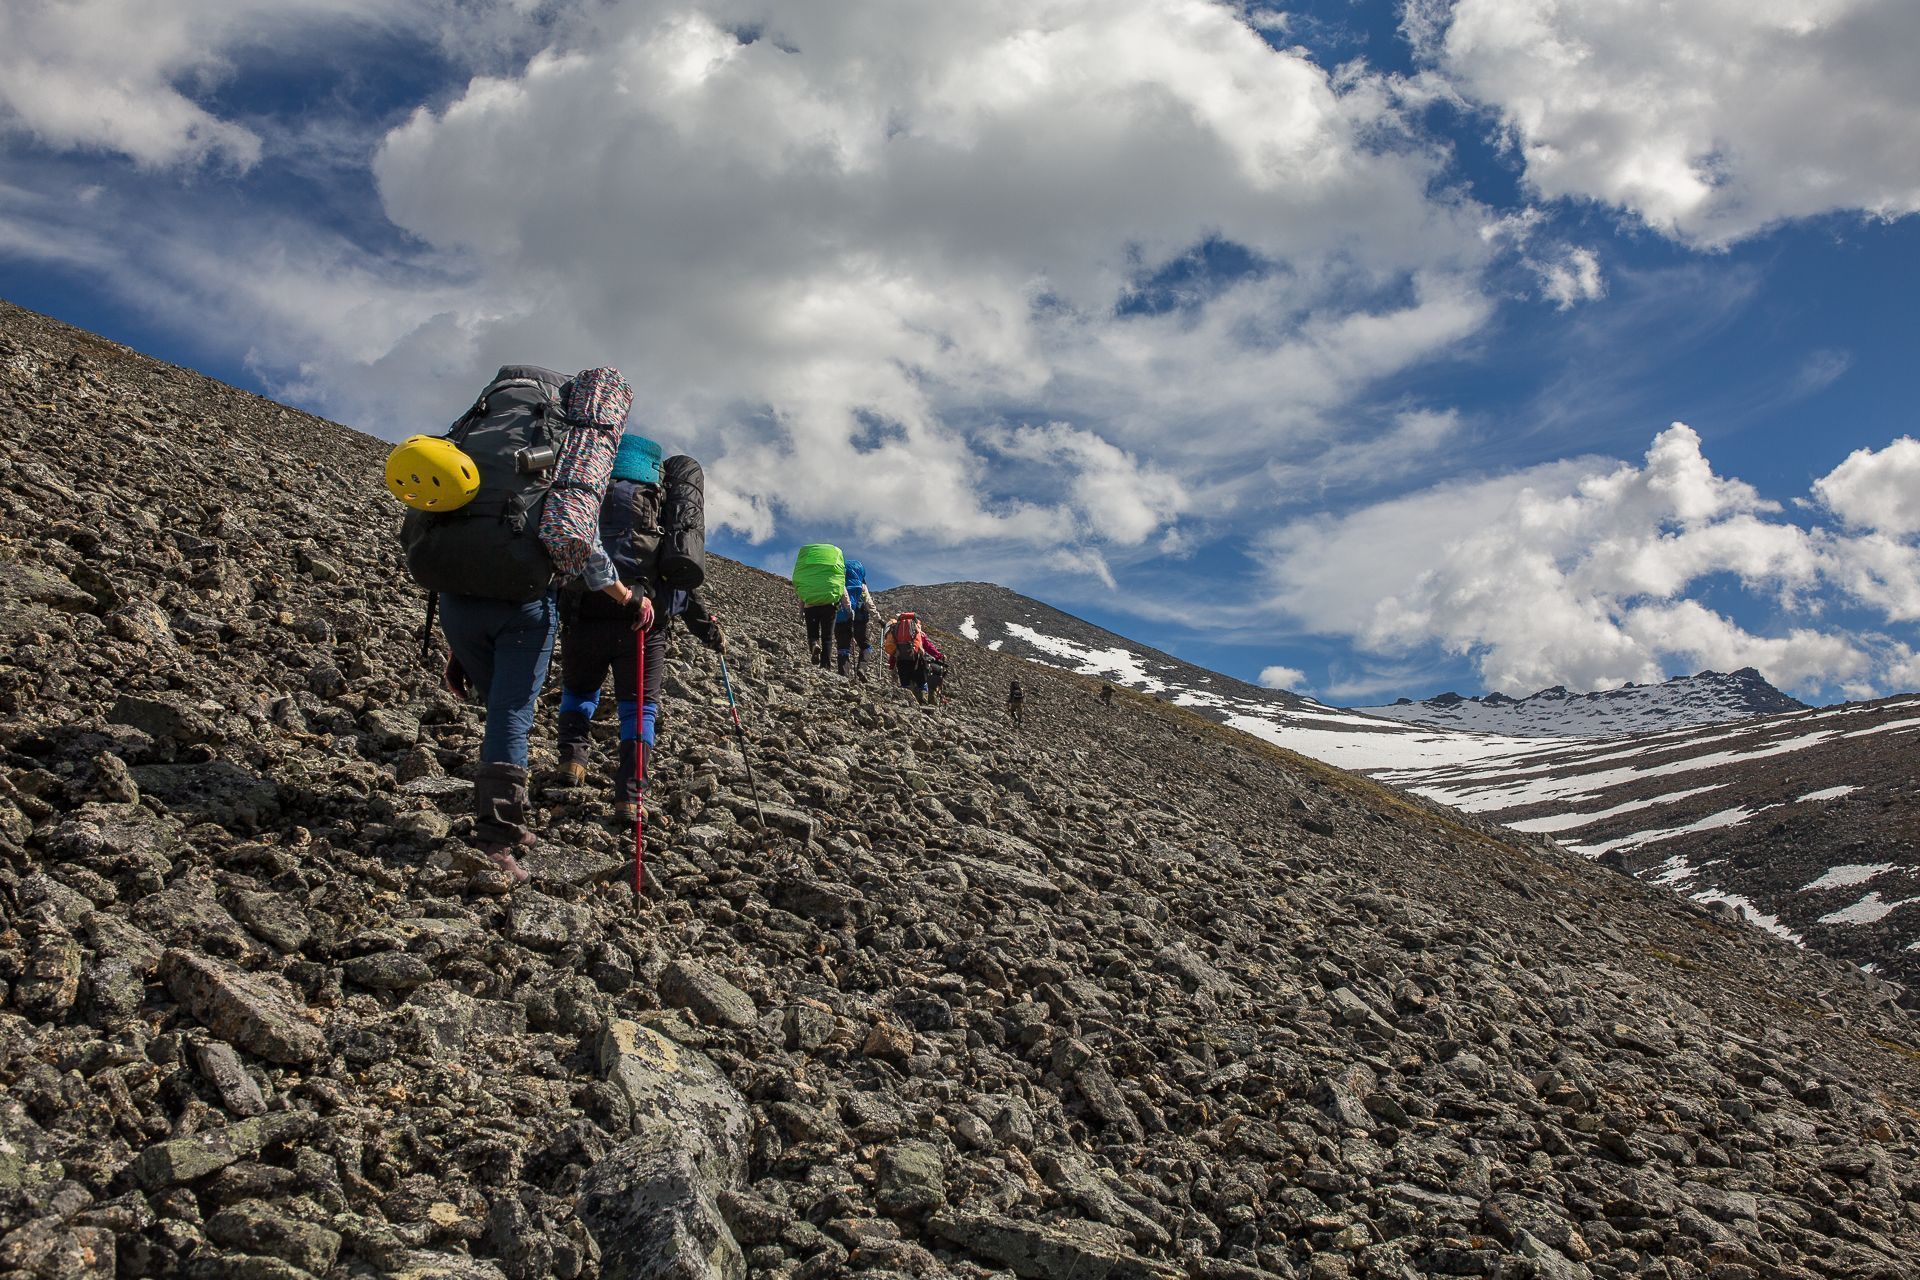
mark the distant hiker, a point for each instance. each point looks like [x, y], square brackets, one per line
[504, 505]
[820, 580]
[639, 510]
[851, 619]
[1016, 701]
[909, 649]
[933, 672]
[1106, 695]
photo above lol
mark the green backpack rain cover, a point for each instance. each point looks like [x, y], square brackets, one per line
[819, 573]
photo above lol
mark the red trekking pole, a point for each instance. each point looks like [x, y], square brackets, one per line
[639, 764]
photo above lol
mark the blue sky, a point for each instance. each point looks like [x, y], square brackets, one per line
[1343, 343]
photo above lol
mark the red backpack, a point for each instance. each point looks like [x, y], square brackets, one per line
[904, 634]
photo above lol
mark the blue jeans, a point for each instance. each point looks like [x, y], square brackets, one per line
[504, 648]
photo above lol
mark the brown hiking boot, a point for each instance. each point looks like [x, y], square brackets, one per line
[573, 774]
[488, 861]
[507, 865]
[626, 813]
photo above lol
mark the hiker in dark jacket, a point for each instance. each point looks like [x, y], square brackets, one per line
[598, 635]
[852, 618]
[1016, 701]
[1106, 695]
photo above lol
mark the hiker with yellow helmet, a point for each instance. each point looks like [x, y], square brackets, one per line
[503, 508]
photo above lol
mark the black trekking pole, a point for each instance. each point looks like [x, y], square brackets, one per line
[740, 731]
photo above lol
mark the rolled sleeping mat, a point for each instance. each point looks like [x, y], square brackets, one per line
[682, 562]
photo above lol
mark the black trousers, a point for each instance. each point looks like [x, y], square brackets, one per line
[820, 633]
[848, 630]
[589, 648]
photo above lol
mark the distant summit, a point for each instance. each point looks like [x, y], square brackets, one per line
[1683, 702]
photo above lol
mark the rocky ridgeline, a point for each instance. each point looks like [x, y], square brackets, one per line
[1118, 995]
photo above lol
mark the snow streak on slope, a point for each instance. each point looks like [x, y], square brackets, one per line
[1849, 875]
[1566, 821]
[1353, 742]
[1117, 663]
[1776, 826]
[1712, 822]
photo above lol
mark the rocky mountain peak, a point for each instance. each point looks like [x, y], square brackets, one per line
[1117, 993]
[1684, 701]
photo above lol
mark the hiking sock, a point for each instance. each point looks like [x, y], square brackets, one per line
[585, 703]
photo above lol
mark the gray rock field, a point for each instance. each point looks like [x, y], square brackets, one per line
[1118, 994]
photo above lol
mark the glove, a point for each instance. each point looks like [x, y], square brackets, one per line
[456, 681]
[643, 612]
[716, 639]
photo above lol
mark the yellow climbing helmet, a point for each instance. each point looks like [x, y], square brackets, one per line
[431, 474]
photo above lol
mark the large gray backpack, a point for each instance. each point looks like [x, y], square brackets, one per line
[491, 546]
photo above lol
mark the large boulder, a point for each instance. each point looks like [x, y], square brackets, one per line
[652, 1205]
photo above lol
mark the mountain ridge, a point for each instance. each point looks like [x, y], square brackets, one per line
[1743, 832]
[1707, 697]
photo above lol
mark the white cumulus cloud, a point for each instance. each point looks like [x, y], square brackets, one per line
[126, 76]
[823, 239]
[1709, 119]
[845, 252]
[1876, 489]
[1277, 677]
[1584, 573]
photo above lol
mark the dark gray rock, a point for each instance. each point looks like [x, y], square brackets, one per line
[708, 996]
[249, 1011]
[256, 1228]
[179, 1160]
[1047, 1252]
[652, 1206]
[912, 1179]
[222, 1068]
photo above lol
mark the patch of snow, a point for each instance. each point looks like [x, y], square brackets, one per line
[1712, 822]
[1567, 821]
[1753, 914]
[1321, 738]
[968, 629]
[1830, 793]
[1868, 910]
[995, 645]
[1850, 875]
[1888, 727]
[1674, 870]
[1123, 665]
